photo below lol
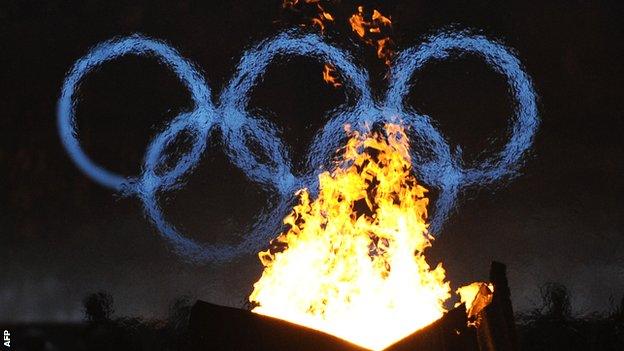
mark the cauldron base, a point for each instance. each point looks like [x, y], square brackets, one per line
[220, 328]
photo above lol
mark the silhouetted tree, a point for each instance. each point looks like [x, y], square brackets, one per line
[179, 313]
[555, 302]
[553, 326]
[98, 307]
[105, 333]
[616, 317]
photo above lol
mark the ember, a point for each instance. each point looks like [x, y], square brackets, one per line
[329, 75]
[374, 32]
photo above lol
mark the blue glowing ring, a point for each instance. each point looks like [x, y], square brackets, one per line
[108, 51]
[433, 160]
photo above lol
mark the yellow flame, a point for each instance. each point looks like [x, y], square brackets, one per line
[476, 296]
[353, 264]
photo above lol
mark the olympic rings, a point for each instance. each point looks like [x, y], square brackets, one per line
[433, 160]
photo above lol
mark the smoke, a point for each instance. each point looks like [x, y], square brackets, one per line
[253, 143]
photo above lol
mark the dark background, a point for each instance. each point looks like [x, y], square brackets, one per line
[64, 236]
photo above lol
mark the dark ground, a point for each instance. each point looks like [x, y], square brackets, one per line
[549, 326]
[64, 236]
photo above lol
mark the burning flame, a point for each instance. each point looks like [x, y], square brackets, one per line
[329, 76]
[374, 32]
[314, 14]
[319, 17]
[377, 26]
[289, 3]
[352, 262]
[476, 296]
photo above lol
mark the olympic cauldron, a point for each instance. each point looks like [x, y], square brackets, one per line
[491, 328]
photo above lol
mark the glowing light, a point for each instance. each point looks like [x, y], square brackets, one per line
[329, 76]
[434, 162]
[378, 26]
[476, 296]
[320, 17]
[354, 264]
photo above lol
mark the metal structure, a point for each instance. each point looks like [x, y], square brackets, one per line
[220, 328]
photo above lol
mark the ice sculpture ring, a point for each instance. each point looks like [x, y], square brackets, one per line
[268, 162]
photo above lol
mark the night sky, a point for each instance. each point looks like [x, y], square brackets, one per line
[64, 236]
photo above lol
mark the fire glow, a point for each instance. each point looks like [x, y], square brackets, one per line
[371, 28]
[377, 26]
[352, 261]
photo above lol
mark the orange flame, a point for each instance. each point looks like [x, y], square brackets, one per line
[374, 32]
[321, 18]
[384, 51]
[329, 76]
[318, 17]
[358, 24]
[378, 25]
[289, 3]
[476, 296]
[352, 262]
